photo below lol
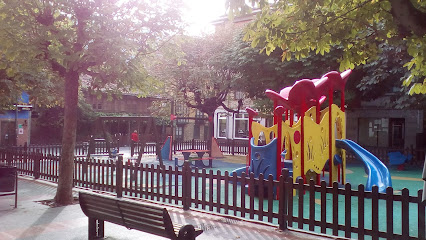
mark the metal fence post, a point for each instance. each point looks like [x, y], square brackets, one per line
[233, 146]
[282, 199]
[424, 179]
[36, 161]
[174, 143]
[186, 185]
[119, 177]
[9, 157]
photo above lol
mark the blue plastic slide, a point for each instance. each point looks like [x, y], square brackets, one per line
[378, 173]
[166, 150]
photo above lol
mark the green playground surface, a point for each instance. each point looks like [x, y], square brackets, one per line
[409, 178]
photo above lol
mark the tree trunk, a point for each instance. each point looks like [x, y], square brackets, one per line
[107, 137]
[143, 139]
[408, 18]
[66, 165]
[211, 130]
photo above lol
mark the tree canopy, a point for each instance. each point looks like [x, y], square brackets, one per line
[260, 71]
[201, 78]
[97, 43]
[377, 78]
[299, 27]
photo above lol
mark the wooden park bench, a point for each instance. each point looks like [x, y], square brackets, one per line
[195, 162]
[133, 215]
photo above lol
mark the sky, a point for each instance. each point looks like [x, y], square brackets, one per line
[200, 14]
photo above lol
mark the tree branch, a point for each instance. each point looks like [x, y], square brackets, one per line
[331, 20]
[57, 67]
[140, 50]
[240, 103]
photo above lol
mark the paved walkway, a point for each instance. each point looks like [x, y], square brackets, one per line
[34, 220]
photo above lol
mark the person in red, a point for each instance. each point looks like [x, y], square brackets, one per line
[134, 140]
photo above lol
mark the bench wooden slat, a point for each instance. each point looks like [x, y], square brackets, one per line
[152, 229]
[150, 216]
[101, 208]
[131, 216]
[130, 219]
[148, 210]
[200, 159]
[111, 206]
[111, 210]
[114, 218]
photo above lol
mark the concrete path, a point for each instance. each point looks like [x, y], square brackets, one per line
[34, 220]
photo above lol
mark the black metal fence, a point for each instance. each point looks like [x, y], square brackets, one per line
[347, 212]
[227, 146]
[81, 149]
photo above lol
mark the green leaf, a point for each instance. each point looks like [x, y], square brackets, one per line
[10, 72]
[418, 88]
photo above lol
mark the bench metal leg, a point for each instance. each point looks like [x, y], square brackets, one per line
[96, 229]
[16, 189]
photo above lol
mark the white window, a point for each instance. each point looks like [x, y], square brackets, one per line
[241, 125]
[179, 132]
[222, 125]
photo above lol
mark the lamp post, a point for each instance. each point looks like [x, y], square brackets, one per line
[16, 124]
[424, 179]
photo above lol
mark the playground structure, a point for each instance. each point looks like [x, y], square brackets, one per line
[315, 141]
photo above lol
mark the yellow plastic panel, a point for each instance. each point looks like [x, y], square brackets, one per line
[257, 128]
[288, 134]
[339, 132]
[316, 144]
[312, 113]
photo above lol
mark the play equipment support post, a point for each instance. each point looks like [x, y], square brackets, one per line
[278, 115]
[303, 109]
[275, 106]
[252, 113]
[291, 125]
[318, 121]
[330, 146]
[342, 107]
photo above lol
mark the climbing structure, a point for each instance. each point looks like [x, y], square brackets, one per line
[314, 141]
[309, 140]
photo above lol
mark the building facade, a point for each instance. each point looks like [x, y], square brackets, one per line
[390, 128]
[129, 104]
[15, 124]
